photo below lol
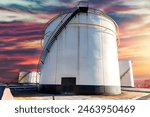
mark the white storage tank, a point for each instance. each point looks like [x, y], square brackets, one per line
[126, 73]
[29, 77]
[80, 54]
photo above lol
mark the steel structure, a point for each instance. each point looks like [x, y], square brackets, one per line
[80, 54]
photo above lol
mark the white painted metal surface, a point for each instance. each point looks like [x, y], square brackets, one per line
[29, 77]
[126, 73]
[85, 49]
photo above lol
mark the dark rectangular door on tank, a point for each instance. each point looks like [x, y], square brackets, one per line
[68, 85]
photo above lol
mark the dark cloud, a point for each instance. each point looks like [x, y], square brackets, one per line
[6, 44]
[39, 9]
[27, 67]
[67, 1]
[10, 25]
[119, 8]
[37, 1]
[20, 52]
[8, 64]
[16, 34]
[20, 25]
[52, 9]
[10, 75]
[11, 33]
[121, 18]
[100, 1]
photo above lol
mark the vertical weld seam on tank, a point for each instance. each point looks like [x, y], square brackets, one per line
[87, 43]
[87, 33]
[78, 44]
[87, 37]
[102, 62]
[56, 59]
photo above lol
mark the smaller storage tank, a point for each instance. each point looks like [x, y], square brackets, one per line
[126, 73]
[80, 54]
[29, 77]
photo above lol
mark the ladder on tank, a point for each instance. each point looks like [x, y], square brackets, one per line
[83, 8]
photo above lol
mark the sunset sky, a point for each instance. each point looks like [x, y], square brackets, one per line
[22, 23]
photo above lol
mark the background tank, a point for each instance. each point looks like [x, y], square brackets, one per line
[126, 73]
[80, 54]
[29, 77]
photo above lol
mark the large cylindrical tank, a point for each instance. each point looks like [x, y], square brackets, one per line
[83, 59]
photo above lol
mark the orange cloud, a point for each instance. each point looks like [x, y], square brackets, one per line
[135, 45]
